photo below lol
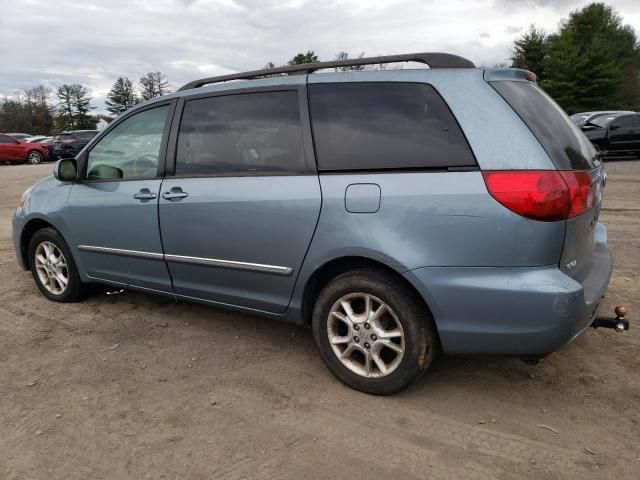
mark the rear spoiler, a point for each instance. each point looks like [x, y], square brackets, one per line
[513, 74]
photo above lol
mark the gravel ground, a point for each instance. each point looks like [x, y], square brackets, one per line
[136, 386]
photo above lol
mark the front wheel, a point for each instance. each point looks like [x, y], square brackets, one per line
[34, 158]
[53, 268]
[373, 332]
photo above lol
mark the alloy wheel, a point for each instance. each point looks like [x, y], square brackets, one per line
[366, 335]
[51, 267]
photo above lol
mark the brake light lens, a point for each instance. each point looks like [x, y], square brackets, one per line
[544, 195]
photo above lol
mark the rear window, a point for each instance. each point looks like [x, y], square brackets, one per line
[371, 126]
[563, 141]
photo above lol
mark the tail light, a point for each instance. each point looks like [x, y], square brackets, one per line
[545, 195]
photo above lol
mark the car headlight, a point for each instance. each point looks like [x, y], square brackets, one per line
[25, 196]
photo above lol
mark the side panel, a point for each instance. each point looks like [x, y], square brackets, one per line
[431, 219]
[229, 222]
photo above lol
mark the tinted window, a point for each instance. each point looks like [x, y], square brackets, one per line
[241, 134]
[86, 135]
[368, 126]
[623, 122]
[636, 121]
[4, 139]
[131, 149]
[565, 144]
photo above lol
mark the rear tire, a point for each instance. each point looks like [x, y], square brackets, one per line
[372, 332]
[34, 157]
[53, 267]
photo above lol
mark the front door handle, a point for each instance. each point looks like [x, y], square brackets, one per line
[175, 194]
[145, 194]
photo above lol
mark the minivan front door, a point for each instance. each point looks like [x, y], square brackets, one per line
[239, 214]
[113, 216]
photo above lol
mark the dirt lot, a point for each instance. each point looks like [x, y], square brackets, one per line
[135, 386]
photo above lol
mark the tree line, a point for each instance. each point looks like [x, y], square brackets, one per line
[33, 111]
[592, 61]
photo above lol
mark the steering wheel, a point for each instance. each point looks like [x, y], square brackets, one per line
[145, 165]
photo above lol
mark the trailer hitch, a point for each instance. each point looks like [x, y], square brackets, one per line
[618, 323]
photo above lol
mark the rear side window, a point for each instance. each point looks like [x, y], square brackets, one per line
[241, 134]
[623, 122]
[370, 126]
[563, 141]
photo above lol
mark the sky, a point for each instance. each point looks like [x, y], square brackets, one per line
[51, 42]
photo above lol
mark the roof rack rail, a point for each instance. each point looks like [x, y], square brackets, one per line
[432, 59]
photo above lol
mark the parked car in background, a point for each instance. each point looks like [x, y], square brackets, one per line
[617, 134]
[35, 139]
[582, 118]
[46, 142]
[68, 144]
[20, 136]
[372, 206]
[16, 150]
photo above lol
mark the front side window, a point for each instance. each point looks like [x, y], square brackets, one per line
[242, 134]
[131, 149]
[4, 139]
[371, 126]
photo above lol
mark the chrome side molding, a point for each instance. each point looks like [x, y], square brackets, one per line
[122, 252]
[211, 262]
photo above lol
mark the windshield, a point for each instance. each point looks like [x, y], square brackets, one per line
[601, 121]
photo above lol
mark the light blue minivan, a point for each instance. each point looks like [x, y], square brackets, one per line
[397, 212]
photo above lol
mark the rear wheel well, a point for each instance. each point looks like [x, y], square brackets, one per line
[28, 231]
[330, 270]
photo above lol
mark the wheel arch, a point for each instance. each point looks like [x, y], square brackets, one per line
[28, 231]
[337, 266]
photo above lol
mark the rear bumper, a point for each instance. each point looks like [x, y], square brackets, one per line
[513, 311]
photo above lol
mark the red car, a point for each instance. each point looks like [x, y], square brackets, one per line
[18, 151]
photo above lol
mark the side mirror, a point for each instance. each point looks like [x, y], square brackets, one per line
[614, 126]
[105, 172]
[66, 170]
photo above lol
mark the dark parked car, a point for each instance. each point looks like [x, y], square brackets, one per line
[616, 134]
[68, 144]
[16, 150]
[582, 118]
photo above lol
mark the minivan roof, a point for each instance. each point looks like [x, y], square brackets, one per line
[432, 59]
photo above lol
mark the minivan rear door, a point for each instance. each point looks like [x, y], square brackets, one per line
[569, 150]
[240, 210]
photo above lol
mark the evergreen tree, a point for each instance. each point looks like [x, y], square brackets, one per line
[65, 117]
[153, 84]
[73, 108]
[529, 51]
[121, 97]
[301, 58]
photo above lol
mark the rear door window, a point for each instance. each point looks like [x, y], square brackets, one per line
[387, 125]
[563, 141]
[241, 134]
[623, 122]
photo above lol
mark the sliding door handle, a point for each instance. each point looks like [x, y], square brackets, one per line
[175, 194]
